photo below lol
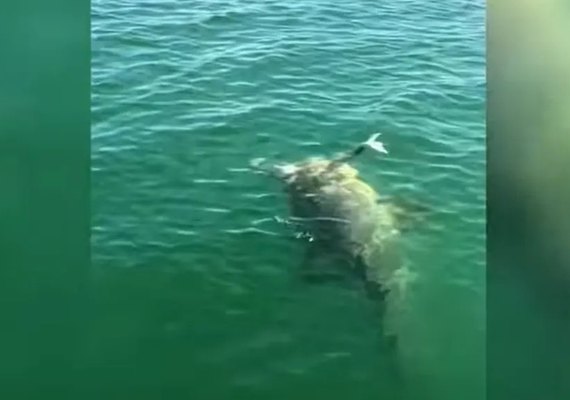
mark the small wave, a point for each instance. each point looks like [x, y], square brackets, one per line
[210, 181]
[250, 230]
[216, 210]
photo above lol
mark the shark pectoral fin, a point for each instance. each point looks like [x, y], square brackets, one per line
[408, 214]
[376, 291]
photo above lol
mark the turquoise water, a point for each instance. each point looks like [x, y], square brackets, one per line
[195, 289]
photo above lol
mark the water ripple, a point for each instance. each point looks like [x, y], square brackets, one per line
[184, 95]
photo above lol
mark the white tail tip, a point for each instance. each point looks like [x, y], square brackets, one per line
[375, 144]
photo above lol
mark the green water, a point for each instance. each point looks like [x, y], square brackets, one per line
[195, 291]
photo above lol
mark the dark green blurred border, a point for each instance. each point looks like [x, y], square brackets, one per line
[528, 137]
[44, 198]
[44, 195]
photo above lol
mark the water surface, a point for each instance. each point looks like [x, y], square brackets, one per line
[196, 295]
